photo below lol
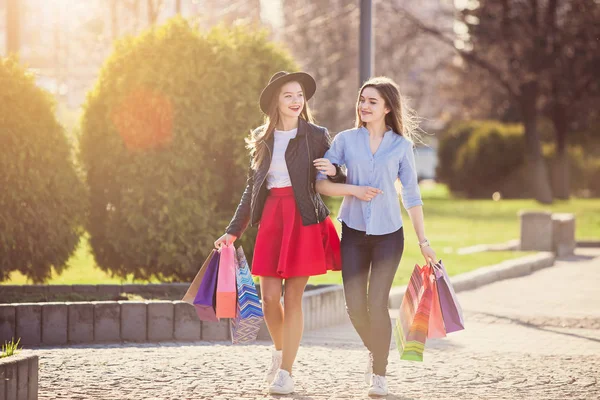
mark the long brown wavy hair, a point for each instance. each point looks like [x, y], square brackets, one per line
[256, 142]
[401, 118]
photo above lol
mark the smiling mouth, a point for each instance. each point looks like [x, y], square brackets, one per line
[365, 113]
[296, 108]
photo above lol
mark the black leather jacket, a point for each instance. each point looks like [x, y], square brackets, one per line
[311, 142]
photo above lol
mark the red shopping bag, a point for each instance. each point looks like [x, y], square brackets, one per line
[226, 286]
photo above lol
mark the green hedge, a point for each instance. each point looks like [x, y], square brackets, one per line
[163, 144]
[42, 198]
[479, 158]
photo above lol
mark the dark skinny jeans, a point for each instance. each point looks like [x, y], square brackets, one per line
[369, 264]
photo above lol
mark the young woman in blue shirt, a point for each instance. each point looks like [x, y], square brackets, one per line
[377, 152]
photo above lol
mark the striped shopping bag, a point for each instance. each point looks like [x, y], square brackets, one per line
[249, 316]
[412, 324]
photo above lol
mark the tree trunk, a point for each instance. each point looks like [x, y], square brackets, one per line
[177, 6]
[560, 173]
[114, 20]
[13, 27]
[538, 172]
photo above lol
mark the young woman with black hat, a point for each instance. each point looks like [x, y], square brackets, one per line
[296, 238]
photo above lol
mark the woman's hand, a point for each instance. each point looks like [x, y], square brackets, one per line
[225, 240]
[365, 193]
[429, 255]
[325, 166]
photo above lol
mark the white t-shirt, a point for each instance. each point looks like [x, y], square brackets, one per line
[278, 175]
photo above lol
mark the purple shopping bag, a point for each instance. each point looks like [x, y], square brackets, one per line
[451, 311]
[205, 299]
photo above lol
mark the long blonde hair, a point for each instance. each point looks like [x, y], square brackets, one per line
[264, 132]
[401, 118]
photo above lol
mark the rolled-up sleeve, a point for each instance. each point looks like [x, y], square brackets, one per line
[335, 154]
[407, 173]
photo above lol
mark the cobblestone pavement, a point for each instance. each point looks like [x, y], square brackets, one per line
[536, 337]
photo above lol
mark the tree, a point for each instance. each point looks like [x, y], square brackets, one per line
[163, 146]
[42, 198]
[153, 8]
[537, 53]
[508, 38]
[572, 89]
[420, 64]
[323, 36]
[13, 26]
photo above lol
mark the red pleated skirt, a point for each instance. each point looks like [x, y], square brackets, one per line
[285, 248]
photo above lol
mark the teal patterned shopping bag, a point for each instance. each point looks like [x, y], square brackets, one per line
[249, 315]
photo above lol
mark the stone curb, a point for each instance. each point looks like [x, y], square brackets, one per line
[483, 276]
[19, 377]
[56, 324]
[178, 288]
[588, 243]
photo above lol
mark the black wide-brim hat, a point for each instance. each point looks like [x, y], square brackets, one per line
[282, 77]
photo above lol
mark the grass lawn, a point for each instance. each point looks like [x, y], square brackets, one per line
[450, 224]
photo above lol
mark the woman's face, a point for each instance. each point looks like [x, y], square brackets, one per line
[291, 100]
[371, 106]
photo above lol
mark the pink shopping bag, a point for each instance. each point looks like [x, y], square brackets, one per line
[436, 321]
[226, 286]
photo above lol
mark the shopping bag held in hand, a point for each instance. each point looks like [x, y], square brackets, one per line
[451, 310]
[190, 295]
[226, 290]
[436, 327]
[249, 315]
[205, 299]
[412, 324]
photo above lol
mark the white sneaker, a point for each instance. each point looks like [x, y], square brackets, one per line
[378, 386]
[282, 384]
[369, 369]
[275, 364]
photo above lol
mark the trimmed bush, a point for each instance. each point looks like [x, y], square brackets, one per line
[163, 145]
[493, 160]
[456, 136]
[42, 197]
[584, 170]
[479, 158]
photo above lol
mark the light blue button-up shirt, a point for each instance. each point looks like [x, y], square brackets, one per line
[393, 159]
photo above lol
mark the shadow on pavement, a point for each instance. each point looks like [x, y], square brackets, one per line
[540, 327]
[575, 258]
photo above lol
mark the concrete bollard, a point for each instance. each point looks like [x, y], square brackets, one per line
[563, 234]
[536, 231]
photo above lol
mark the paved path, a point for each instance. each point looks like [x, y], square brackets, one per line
[536, 337]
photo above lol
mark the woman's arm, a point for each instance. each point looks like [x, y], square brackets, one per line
[241, 218]
[418, 223]
[411, 198]
[337, 175]
[364, 193]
